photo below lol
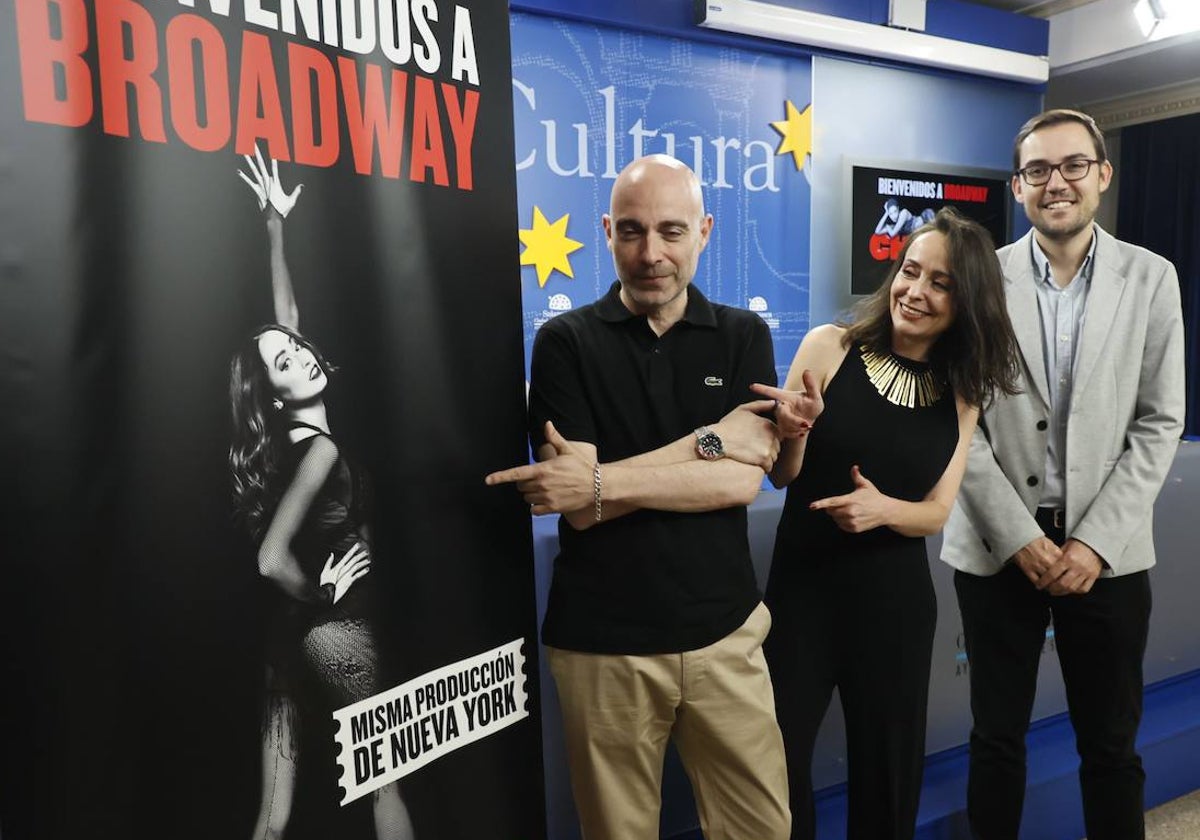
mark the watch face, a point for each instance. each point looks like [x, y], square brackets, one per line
[710, 446]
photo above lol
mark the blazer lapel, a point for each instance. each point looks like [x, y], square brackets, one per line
[1103, 297]
[1023, 311]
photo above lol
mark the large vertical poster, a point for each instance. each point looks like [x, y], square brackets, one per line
[259, 344]
[590, 99]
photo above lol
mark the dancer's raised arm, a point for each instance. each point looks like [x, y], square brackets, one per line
[276, 203]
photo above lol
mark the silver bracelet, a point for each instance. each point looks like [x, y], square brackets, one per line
[596, 489]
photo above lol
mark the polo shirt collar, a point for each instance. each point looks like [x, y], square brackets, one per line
[699, 311]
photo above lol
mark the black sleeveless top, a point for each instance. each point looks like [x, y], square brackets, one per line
[334, 522]
[902, 450]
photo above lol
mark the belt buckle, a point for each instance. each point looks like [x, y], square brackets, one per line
[1060, 519]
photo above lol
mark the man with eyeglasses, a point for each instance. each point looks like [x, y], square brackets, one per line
[1053, 521]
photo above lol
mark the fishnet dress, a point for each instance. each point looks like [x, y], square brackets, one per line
[322, 511]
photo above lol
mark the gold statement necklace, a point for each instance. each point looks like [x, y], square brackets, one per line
[899, 385]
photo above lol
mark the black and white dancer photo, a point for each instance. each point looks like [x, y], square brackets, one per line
[900, 221]
[305, 505]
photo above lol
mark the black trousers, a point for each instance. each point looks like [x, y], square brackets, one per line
[1101, 640]
[865, 626]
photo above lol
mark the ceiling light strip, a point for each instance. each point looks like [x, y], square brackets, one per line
[780, 23]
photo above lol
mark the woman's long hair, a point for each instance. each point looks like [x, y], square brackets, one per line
[979, 351]
[259, 435]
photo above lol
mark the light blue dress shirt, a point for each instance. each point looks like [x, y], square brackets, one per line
[1062, 309]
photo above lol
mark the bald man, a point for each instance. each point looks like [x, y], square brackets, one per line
[647, 448]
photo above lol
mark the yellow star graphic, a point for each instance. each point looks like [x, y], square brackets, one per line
[547, 246]
[797, 133]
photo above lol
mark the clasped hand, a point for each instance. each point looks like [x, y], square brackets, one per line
[560, 484]
[747, 437]
[1070, 570]
[860, 510]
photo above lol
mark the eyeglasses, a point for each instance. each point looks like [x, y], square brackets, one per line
[1074, 169]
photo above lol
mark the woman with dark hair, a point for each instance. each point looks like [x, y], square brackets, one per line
[877, 417]
[303, 503]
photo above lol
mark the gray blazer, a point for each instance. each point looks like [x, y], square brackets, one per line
[1126, 416]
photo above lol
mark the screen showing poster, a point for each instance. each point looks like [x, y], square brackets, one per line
[260, 343]
[890, 202]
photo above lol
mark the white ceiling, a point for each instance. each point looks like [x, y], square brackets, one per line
[1009, 5]
[1127, 85]
[1038, 8]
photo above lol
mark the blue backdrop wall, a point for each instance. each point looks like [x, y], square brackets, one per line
[596, 84]
[588, 99]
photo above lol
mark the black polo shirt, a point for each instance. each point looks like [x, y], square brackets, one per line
[651, 581]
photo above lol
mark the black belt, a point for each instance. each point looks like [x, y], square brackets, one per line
[1048, 517]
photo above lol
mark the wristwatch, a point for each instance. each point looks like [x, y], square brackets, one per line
[708, 444]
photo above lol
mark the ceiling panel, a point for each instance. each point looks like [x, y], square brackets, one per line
[1167, 77]
[1007, 5]
[1038, 8]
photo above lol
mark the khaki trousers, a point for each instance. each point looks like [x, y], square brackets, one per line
[718, 706]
